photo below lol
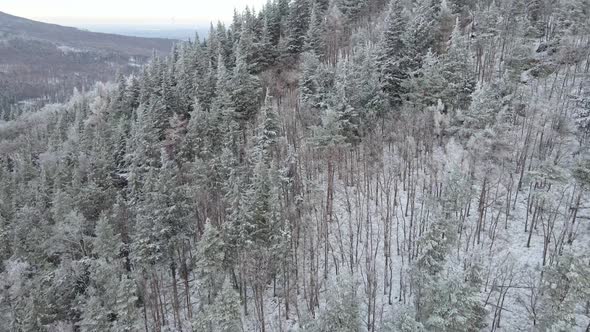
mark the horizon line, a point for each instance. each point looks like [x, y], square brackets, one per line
[127, 21]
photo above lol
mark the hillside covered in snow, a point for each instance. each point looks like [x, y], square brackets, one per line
[318, 166]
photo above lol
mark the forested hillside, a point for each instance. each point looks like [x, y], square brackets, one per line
[317, 166]
[42, 63]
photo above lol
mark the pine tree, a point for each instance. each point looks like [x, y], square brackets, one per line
[461, 7]
[299, 12]
[342, 308]
[186, 66]
[457, 69]
[284, 9]
[309, 84]
[197, 131]
[107, 243]
[147, 248]
[364, 89]
[70, 236]
[314, 38]
[247, 49]
[352, 9]
[95, 317]
[210, 261]
[142, 149]
[330, 133]
[392, 57]
[427, 85]
[225, 313]
[273, 22]
[403, 321]
[447, 296]
[222, 103]
[171, 209]
[245, 91]
[421, 34]
[348, 116]
[485, 106]
[264, 215]
[206, 82]
[125, 306]
[430, 265]
[266, 52]
[456, 306]
[168, 101]
[17, 291]
[110, 302]
[234, 186]
[268, 131]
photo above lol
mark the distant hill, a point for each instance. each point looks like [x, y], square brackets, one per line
[40, 60]
[180, 32]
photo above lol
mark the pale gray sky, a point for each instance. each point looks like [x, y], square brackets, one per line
[76, 12]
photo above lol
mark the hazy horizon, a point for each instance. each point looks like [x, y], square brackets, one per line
[177, 13]
[177, 31]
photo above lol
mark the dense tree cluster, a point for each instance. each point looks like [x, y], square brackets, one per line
[315, 166]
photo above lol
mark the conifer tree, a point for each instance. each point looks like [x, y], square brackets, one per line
[313, 39]
[485, 106]
[210, 261]
[392, 53]
[298, 23]
[309, 84]
[348, 116]
[342, 308]
[273, 22]
[426, 87]
[143, 147]
[225, 313]
[403, 322]
[95, 316]
[146, 246]
[457, 69]
[352, 9]
[364, 89]
[107, 243]
[268, 131]
[266, 51]
[245, 90]
[125, 306]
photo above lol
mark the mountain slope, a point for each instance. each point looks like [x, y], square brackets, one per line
[47, 60]
[370, 172]
[13, 26]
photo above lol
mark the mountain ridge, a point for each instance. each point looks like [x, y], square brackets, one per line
[64, 34]
[42, 61]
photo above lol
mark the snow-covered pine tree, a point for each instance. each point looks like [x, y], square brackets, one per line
[457, 69]
[209, 264]
[245, 89]
[222, 316]
[314, 38]
[392, 57]
[298, 23]
[342, 308]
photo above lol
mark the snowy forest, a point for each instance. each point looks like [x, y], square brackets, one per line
[315, 166]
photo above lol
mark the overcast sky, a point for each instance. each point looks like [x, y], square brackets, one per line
[76, 12]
